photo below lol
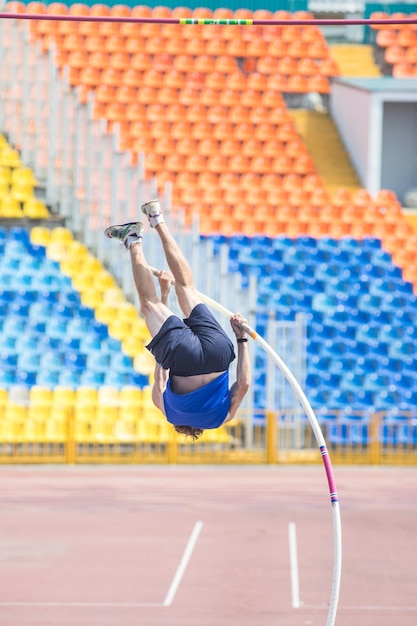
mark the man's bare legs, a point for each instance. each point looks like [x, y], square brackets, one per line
[153, 310]
[187, 295]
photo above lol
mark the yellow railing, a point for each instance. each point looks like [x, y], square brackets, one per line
[272, 439]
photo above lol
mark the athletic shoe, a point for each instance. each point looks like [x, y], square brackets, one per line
[153, 210]
[128, 234]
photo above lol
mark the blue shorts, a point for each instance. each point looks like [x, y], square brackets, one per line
[196, 345]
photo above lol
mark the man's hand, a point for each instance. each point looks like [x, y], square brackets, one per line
[237, 321]
[165, 280]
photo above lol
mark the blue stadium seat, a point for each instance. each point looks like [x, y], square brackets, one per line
[116, 379]
[70, 343]
[77, 327]
[41, 311]
[139, 380]
[386, 399]
[14, 326]
[48, 378]
[63, 311]
[342, 364]
[376, 382]
[75, 360]
[28, 360]
[98, 361]
[328, 244]
[352, 381]
[121, 363]
[318, 363]
[69, 377]
[24, 377]
[92, 378]
[401, 348]
[56, 327]
[51, 360]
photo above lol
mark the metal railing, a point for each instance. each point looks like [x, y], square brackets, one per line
[70, 436]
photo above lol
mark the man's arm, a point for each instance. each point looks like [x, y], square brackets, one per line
[243, 370]
[161, 377]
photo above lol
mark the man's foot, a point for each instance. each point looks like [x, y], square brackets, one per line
[153, 210]
[128, 234]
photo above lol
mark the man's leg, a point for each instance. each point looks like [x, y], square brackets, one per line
[154, 312]
[187, 295]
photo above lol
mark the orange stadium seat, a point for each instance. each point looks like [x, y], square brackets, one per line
[403, 70]
[386, 37]
[277, 49]
[319, 83]
[204, 64]
[283, 164]
[250, 98]
[378, 15]
[108, 29]
[328, 67]
[136, 112]
[297, 49]
[395, 54]
[175, 79]
[411, 56]
[225, 64]
[267, 65]
[141, 61]
[277, 82]
[308, 67]
[298, 84]
[120, 10]
[238, 114]
[99, 10]
[317, 50]
[407, 37]
[229, 97]
[272, 147]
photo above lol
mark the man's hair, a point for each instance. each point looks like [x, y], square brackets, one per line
[189, 431]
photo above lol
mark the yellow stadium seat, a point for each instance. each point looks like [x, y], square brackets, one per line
[86, 396]
[131, 396]
[108, 395]
[33, 208]
[40, 235]
[63, 397]
[21, 191]
[9, 157]
[5, 175]
[9, 207]
[61, 235]
[40, 396]
[23, 175]
[4, 188]
[113, 295]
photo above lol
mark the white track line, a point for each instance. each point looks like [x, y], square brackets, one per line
[369, 607]
[183, 564]
[295, 587]
[117, 605]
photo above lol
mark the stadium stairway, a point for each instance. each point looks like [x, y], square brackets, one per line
[325, 146]
[355, 60]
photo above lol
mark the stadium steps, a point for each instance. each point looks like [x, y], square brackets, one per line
[324, 144]
[355, 60]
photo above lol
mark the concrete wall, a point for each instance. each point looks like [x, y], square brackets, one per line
[351, 111]
[399, 147]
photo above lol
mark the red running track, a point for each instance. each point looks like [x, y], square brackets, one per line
[112, 546]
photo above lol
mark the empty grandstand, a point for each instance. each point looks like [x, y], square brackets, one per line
[235, 129]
